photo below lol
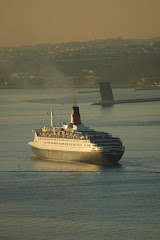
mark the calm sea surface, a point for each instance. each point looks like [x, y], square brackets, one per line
[51, 200]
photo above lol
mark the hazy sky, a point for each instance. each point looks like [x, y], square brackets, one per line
[50, 21]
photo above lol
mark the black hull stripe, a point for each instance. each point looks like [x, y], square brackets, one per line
[95, 157]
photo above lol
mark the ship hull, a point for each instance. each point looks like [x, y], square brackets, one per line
[88, 157]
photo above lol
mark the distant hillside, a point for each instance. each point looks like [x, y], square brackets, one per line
[123, 62]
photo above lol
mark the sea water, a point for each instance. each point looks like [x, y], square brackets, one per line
[58, 200]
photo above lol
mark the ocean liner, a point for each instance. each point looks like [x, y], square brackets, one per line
[76, 142]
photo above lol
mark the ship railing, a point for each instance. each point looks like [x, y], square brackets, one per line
[62, 136]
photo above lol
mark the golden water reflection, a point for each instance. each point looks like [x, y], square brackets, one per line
[49, 165]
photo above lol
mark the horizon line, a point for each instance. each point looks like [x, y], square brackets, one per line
[82, 41]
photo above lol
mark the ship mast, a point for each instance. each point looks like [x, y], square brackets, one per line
[51, 118]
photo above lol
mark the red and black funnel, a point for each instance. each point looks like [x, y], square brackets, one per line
[75, 116]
